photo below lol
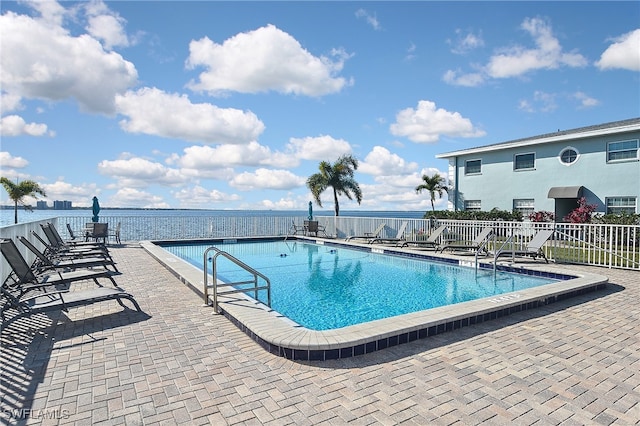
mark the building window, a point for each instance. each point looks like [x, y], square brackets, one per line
[473, 205]
[524, 206]
[617, 205]
[524, 161]
[622, 151]
[569, 155]
[472, 167]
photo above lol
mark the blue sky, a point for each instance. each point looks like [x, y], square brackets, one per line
[232, 105]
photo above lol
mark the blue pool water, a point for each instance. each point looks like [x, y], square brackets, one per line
[325, 287]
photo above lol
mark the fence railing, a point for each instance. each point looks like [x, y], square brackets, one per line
[613, 246]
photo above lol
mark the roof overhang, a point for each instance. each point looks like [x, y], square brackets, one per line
[625, 126]
[565, 192]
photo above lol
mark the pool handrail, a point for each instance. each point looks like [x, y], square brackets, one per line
[215, 283]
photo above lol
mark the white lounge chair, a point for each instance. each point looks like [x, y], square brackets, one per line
[476, 244]
[399, 236]
[533, 248]
[368, 235]
[429, 242]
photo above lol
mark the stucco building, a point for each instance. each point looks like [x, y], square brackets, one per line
[551, 172]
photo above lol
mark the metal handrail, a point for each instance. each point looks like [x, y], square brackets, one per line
[215, 284]
[481, 246]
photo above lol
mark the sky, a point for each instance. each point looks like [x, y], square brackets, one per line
[233, 105]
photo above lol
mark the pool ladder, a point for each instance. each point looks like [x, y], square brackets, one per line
[215, 284]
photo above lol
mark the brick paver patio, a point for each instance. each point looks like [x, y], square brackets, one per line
[573, 362]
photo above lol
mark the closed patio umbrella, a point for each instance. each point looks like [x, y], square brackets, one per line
[310, 211]
[96, 209]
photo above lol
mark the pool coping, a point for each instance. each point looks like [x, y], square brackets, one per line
[282, 336]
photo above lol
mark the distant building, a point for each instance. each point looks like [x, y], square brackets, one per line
[551, 172]
[41, 205]
[62, 205]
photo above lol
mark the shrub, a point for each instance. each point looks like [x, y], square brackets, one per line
[542, 216]
[494, 214]
[582, 213]
[617, 219]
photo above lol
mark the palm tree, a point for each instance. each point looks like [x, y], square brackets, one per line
[18, 191]
[339, 176]
[435, 185]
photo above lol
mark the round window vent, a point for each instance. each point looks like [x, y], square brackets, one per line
[569, 155]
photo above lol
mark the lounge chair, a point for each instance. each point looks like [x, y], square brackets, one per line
[533, 248]
[24, 278]
[54, 236]
[58, 300]
[399, 236]
[368, 235]
[57, 244]
[430, 242]
[44, 262]
[478, 243]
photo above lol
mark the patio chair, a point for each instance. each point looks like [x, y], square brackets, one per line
[313, 227]
[44, 262]
[74, 238]
[24, 278]
[58, 300]
[116, 233]
[368, 235]
[429, 242]
[533, 248]
[399, 236]
[100, 232]
[57, 245]
[296, 229]
[478, 243]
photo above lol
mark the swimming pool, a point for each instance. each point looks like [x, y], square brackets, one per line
[326, 287]
[281, 336]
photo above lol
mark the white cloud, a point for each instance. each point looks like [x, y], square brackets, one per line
[457, 78]
[106, 25]
[14, 125]
[43, 61]
[9, 102]
[515, 61]
[381, 162]
[624, 53]
[253, 154]
[263, 60]
[585, 100]
[134, 198]
[547, 54]
[200, 197]
[267, 179]
[9, 161]
[79, 195]
[322, 147]
[51, 12]
[465, 42]
[541, 102]
[397, 192]
[371, 19]
[139, 172]
[426, 124]
[154, 112]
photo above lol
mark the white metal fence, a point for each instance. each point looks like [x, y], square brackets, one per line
[613, 246]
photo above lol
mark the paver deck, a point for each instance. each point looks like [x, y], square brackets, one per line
[572, 362]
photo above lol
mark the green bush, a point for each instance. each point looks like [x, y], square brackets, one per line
[494, 214]
[617, 219]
